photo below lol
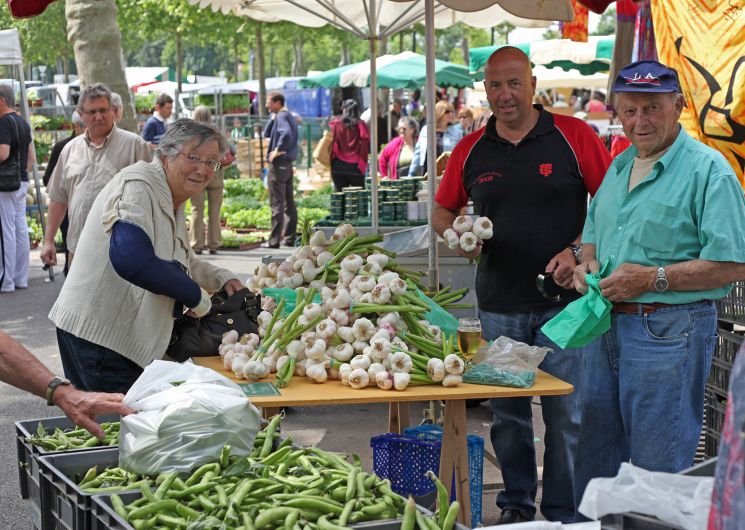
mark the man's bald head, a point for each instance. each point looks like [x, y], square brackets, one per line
[508, 54]
[510, 85]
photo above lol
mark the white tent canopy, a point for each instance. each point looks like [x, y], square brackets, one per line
[557, 78]
[10, 47]
[392, 16]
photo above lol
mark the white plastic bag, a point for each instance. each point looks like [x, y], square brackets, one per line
[674, 499]
[186, 414]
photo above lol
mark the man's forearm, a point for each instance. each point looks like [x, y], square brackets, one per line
[55, 215]
[701, 275]
[442, 218]
[588, 253]
[19, 367]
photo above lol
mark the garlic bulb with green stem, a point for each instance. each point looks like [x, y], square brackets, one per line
[359, 378]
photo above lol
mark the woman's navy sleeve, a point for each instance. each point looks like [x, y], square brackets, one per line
[133, 257]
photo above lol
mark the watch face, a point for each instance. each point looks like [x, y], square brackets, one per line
[661, 284]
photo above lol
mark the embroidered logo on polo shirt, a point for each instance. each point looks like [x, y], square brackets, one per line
[488, 177]
[546, 169]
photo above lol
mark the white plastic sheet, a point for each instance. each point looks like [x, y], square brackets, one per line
[677, 499]
[186, 414]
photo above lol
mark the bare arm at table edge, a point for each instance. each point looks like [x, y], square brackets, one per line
[55, 215]
[442, 219]
[19, 367]
[630, 280]
[31, 157]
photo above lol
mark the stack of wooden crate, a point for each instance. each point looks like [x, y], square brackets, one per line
[249, 155]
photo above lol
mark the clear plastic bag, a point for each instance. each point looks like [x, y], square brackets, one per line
[186, 414]
[507, 363]
[437, 316]
[674, 499]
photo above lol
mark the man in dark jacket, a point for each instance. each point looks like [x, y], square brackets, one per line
[282, 151]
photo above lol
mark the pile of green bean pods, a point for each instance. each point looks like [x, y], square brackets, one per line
[74, 438]
[283, 487]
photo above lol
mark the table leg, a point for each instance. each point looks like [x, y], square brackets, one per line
[268, 412]
[398, 417]
[454, 456]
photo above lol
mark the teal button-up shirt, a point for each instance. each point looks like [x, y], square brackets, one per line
[690, 206]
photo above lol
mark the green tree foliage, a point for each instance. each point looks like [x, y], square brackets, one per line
[552, 32]
[607, 24]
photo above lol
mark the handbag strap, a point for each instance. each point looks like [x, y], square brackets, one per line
[16, 138]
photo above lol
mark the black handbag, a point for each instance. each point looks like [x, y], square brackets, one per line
[201, 337]
[10, 168]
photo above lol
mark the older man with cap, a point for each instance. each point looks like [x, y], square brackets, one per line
[666, 231]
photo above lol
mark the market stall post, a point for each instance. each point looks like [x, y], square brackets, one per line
[454, 449]
[429, 27]
[373, 167]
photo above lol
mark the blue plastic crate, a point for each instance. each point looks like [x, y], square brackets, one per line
[405, 460]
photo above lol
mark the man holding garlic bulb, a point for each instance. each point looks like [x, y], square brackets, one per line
[528, 172]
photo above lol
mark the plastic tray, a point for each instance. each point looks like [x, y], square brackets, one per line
[28, 458]
[716, 407]
[728, 346]
[103, 516]
[719, 376]
[63, 504]
[732, 307]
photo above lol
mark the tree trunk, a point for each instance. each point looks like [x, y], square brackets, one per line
[236, 58]
[383, 46]
[297, 64]
[344, 54]
[464, 46]
[94, 34]
[179, 73]
[262, 74]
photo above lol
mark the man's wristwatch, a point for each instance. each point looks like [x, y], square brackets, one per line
[577, 251]
[661, 284]
[52, 386]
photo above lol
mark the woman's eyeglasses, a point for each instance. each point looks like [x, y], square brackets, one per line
[211, 165]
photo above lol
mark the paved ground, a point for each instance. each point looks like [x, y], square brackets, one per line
[23, 315]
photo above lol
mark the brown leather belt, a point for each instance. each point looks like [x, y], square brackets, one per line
[633, 307]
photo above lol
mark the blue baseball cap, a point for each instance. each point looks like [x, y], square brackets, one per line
[646, 76]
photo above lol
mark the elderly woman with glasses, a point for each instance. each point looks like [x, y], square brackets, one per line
[135, 270]
[397, 156]
[446, 136]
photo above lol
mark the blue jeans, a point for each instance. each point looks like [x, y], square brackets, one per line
[95, 368]
[512, 430]
[643, 397]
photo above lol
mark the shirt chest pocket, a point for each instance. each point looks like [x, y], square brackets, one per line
[660, 227]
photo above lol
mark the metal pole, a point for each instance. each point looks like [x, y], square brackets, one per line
[429, 37]
[373, 168]
[35, 170]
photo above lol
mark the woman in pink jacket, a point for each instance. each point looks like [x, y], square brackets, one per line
[396, 157]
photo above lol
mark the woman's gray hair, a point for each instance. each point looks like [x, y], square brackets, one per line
[202, 114]
[410, 123]
[184, 131]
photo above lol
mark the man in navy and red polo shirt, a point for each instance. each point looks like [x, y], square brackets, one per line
[530, 172]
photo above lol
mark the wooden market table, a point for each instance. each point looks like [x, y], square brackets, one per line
[301, 392]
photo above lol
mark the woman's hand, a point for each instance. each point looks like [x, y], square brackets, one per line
[231, 286]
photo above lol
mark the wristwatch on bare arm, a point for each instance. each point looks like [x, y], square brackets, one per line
[661, 284]
[53, 384]
[577, 251]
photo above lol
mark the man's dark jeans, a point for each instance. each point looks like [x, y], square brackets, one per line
[284, 212]
[95, 368]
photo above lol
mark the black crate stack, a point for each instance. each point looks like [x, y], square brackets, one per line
[731, 310]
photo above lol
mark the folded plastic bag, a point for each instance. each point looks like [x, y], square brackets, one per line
[439, 317]
[186, 414]
[507, 363]
[674, 499]
[581, 321]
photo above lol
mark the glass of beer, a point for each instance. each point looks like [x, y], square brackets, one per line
[469, 337]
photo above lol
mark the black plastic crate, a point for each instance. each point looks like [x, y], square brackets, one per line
[716, 407]
[732, 307]
[28, 458]
[103, 516]
[64, 505]
[719, 376]
[728, 346]
[711, 444]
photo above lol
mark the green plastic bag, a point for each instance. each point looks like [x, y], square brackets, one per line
[437, 316]
[288, 295]
[583, 320]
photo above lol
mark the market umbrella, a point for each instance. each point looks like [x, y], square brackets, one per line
[403, 70]
[586, 57]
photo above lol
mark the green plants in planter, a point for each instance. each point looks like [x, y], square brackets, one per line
[145, 103]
